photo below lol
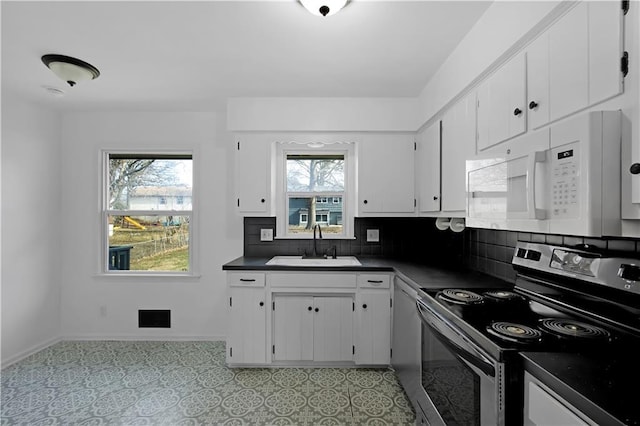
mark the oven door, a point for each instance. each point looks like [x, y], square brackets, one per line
[460, 383]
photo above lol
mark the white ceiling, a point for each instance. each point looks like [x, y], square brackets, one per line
[192, 56]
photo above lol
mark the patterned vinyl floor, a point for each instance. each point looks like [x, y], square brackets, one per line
[187, 383]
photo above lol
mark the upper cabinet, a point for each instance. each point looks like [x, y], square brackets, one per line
[428, 168]
[574, 64]
[253, 172]
[502, 104]
[458, 144]
[386, 175]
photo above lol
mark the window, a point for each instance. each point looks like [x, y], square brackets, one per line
[147, 215]
[309, 176]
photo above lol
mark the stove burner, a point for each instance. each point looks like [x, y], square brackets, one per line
[573, 329]
[461, 297]
[513, 332]
[504, 295]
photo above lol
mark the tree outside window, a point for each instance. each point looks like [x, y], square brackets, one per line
[148, 212]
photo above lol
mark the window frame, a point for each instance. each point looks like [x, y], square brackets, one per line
[320, 146]
[105, 155]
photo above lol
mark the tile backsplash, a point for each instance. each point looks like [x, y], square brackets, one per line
[408, 238]
[417, 239]
[490, 251]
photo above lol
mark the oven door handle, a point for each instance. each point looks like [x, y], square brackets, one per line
[470, 352]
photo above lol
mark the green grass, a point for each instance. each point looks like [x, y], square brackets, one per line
[174, 260]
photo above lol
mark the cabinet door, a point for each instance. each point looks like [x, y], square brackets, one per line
[333, 328]
[605, 50]
[293, 328]
[252, 175]
[246, 342]
[538, 82]
[428, 168]
[385, 174]
[569, 63]
[373, 327]
[501, 104]
[458, 144]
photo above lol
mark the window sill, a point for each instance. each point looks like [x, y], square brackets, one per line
[147, 275]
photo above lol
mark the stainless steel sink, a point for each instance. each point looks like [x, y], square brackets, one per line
[300, 261]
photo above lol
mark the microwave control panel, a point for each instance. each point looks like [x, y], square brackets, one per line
[565, 182]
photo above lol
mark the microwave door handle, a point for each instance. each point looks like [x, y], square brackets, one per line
[534, 158]
[470, 352]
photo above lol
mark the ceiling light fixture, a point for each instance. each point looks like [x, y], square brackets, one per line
[323, 7]
[70, 69]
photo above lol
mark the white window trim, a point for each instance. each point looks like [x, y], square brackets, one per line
[328, 145]
[103, 263]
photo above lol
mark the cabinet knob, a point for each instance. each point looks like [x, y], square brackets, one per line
[364, 306]
[317, 310]
[635, 168]
[533, 105]
[261, 303]
[365, 201]
[517, 111]
[262, 200]
[435, 198]
[310, 309]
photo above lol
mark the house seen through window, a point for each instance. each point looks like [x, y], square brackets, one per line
[148, 212]
[315, 189]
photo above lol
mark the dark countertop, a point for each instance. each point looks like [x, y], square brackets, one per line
[415, 274]
[601, 385]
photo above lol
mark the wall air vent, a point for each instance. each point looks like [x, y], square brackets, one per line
[154, 318]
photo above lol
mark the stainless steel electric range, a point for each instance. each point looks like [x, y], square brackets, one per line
[568, 327]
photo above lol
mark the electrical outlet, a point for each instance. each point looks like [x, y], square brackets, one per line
[373, 235]
[266, 234]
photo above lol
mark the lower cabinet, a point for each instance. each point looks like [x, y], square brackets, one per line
[312, 328]
[311, 317]
[246, 340]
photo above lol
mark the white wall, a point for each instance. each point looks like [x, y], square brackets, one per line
[31, 241]
[322, 114]
[197, 304]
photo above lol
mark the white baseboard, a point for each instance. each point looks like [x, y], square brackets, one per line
[24, 354]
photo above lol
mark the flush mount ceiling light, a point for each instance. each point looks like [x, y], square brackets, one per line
[323, 7]
[70, 69]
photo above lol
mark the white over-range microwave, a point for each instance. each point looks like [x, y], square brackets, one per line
[564, 179]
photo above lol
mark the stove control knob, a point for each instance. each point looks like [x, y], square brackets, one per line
[629, 272]
[577, 259]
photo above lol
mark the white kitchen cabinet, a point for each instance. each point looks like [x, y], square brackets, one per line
[538, 82]
[386, 177]
[605, 50]
[569, 63]
[458, 144]
[253, 174]
[543, 407]
[246, 340]
[575, 63]
[373, 320]
[312, 328]
[502, 104]
[428, 169]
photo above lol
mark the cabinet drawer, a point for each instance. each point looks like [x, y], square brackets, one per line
[245, 279]
[373, 281]
[313, 279]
